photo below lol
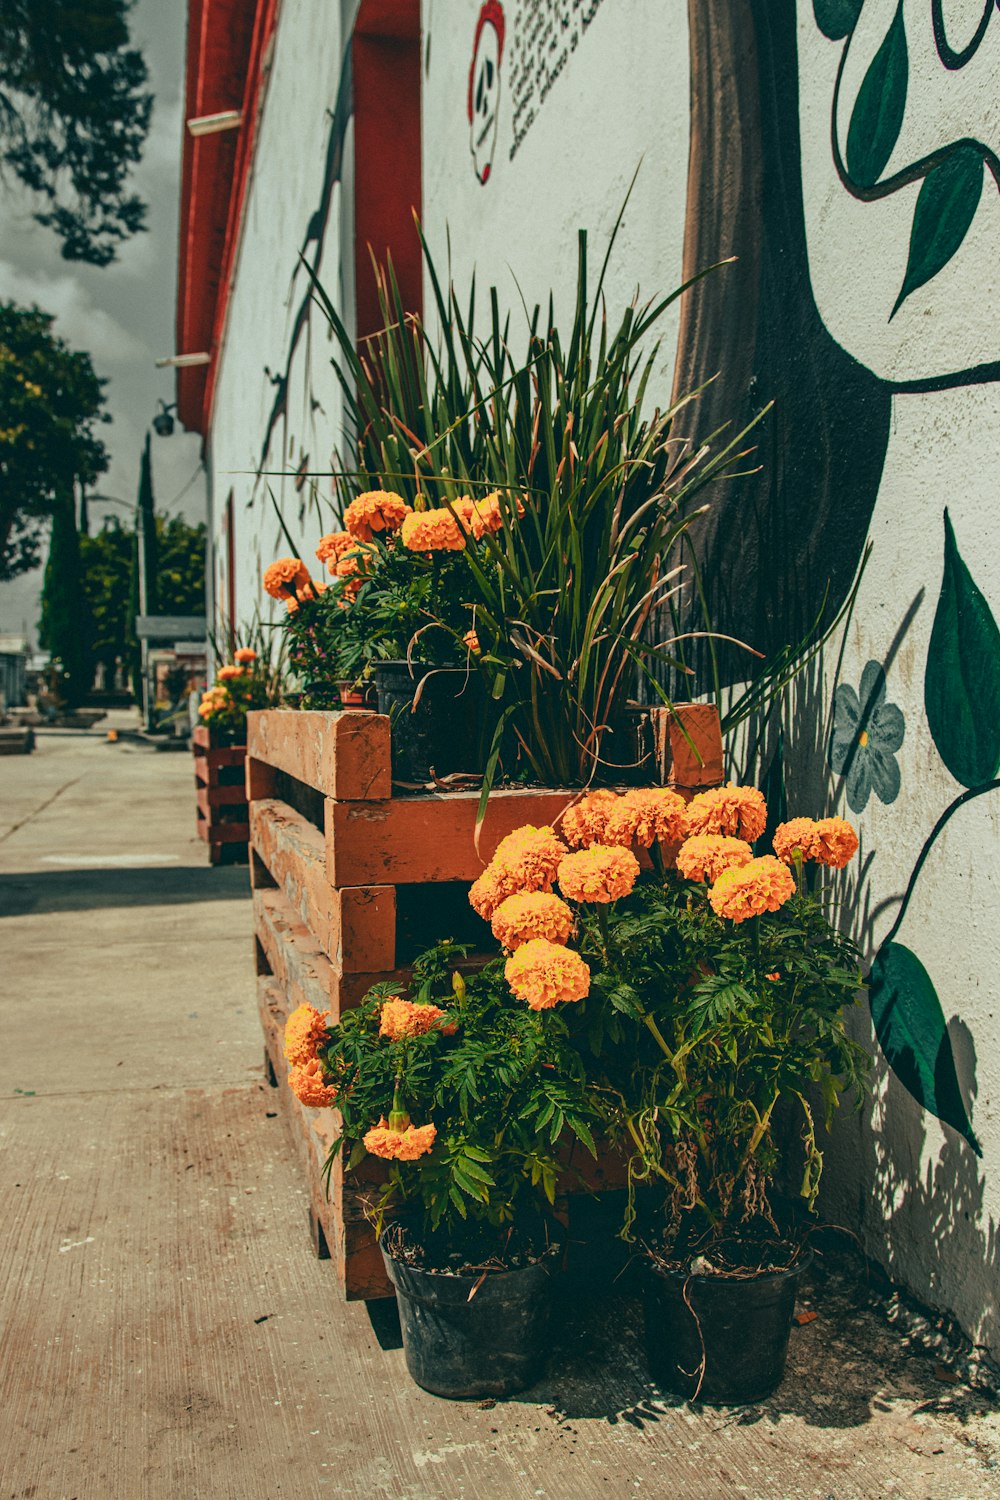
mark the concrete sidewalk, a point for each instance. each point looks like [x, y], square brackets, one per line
[164, 1330]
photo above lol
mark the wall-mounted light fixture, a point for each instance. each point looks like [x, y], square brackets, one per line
[226, 119]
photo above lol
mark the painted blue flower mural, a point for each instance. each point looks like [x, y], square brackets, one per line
[867, 734]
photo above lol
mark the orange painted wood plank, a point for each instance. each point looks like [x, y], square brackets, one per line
[261, 780]
[356, 926]
[696, 746]
[294, 854]
[344, 755]
[407, 840]
[294, 956]
[219, 796]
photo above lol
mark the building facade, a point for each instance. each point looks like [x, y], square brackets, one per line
[845, 153]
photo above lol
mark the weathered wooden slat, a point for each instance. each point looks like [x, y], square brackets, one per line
[687, 745]
[344, 755]
[219, 796]
[293, 851]
[408, 840]
[295, 958]
[355, 926]
[341, 1216]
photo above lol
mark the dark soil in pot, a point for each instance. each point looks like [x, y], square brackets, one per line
[718, 1333]
[478, 1330]
[437, 716]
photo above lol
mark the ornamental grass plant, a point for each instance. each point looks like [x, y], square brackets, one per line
[592, 491]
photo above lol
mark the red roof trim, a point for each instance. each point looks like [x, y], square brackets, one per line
[228, 50]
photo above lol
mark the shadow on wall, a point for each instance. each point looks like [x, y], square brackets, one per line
[924, 1223]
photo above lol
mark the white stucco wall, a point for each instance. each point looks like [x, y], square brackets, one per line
[615, 83]
[285, 189]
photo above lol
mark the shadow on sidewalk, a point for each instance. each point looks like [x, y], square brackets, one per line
[91, 890]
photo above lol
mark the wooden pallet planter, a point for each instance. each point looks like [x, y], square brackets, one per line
[339, 866]
[221, 797]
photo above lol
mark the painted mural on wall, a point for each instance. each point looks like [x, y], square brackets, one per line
[815, 125]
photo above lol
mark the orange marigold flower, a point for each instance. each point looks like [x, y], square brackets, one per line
[305, 1029]
[586, 822]
[544, 973]
[432, 531]
[598, 874]
[705, 856]
[654, 815]
[531, 914]
[773, 977]
[245, 655]
[284, 577]
[492, 887]
[226, 674]
[532, 855]
[333, 546]
[765, 884]
[306, 1082]
[375, 511]
[401, 1019]
[828, 841]
[485, 515]
[471, 639]
[399, 1145]
[737, 810]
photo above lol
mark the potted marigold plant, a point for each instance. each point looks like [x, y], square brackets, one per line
[240, 685]
[394, 620]
[467, 1096]
[717, 986]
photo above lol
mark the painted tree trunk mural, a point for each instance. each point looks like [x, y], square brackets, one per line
[782, 544]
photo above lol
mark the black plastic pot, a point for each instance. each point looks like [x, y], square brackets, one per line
[743, 1333]
[437, 718]
[493, 1345]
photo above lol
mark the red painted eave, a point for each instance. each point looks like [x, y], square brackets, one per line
[226, 50]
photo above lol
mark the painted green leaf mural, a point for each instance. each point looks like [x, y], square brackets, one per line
[946, 206]
[911, 1030]
[878, 110]
[837, 18]
[962, 680]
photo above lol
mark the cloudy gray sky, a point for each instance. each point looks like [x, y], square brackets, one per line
[122, 315]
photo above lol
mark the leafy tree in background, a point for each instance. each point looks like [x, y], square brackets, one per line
[64, 627]
[50, 403]
[74, 115]
[106, 562]
[180, 577]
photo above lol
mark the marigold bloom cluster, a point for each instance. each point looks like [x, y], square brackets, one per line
[305, 1029]
[375, 511]
[765, 884]
[432, 531]
[647, 817]
[306, 1082]
[828, 841]
[215, 700]
[227, 673]
[544, 974]
[586, 822]
[706, 855]
[598, 874]
[283, 579]
[471, 640]
[485, 515]
[401, 1019]
[531, 914]
[333, 546]
[526, 860]
[399, 1145]
[736, 810]
[245, 655]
